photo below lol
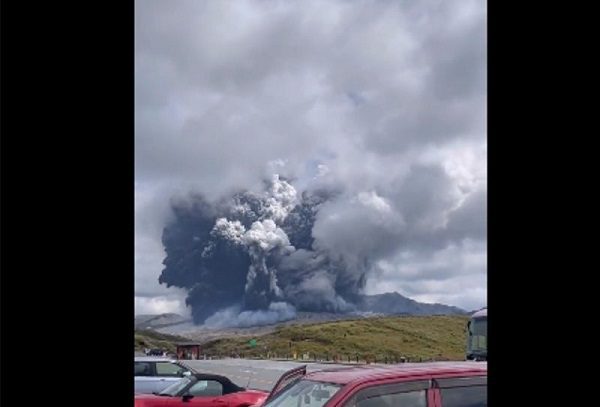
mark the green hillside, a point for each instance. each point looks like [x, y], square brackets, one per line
[374, 339]
[146, 338]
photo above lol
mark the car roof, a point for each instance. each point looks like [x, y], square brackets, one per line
[153, 359]
[212, 376]
[481, 313]
[363, 373]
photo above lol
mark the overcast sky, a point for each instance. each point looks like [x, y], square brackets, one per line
[385, 99]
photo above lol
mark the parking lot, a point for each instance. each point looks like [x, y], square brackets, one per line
[257, 374]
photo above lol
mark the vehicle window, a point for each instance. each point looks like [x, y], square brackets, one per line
[472, 396]
[168, 369]
[177, 387]
[478, 336]
[142, 369]
[206, 388]
[407, 394]
[408, 399]
[288, 379]
[305, 393]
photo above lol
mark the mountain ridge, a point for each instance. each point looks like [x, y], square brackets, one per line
[386, 304]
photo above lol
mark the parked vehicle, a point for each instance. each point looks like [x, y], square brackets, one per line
[153, 374]
[435, 384]
[202, 390]
[477, 336]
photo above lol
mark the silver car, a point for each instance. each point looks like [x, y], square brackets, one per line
[153, 374]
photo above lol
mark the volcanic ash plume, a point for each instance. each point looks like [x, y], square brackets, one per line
[262, 240]
[252, 258]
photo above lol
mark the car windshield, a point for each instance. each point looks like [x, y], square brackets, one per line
[304, 393]
[177, 387]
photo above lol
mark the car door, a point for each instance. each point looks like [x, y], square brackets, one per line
[205, 393]
[166, 373]
[386, 394]
[461, 392]
[144, 376]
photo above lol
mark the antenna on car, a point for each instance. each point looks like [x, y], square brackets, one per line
[250, 375]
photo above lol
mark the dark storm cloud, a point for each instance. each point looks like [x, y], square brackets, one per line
[253, 252]
[381, 101]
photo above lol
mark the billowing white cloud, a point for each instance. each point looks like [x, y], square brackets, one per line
[159, 305]
[452, 275]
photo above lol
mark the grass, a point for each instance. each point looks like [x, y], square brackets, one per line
[147, 338]
[374, 339]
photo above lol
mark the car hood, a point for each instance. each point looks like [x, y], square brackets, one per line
[255, 391]
[147, 396]
[154, 396]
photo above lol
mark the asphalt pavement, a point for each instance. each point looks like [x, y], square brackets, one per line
[253, 374]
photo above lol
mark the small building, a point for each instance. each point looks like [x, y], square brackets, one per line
[188, 350]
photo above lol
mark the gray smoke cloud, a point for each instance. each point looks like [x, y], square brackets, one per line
[234, 316]
[261, 256]
[374, 111]
[252, 251]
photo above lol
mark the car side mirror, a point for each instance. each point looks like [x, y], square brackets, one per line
[187, 397]
[186, 373]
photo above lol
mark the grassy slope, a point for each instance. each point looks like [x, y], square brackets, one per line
[439, 337]
[147, 338]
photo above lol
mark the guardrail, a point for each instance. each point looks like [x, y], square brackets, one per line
[351, 359]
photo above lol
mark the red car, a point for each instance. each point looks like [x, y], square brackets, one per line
[202, 390]
[436, 384]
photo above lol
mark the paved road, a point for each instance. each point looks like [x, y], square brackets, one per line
[256, 374]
